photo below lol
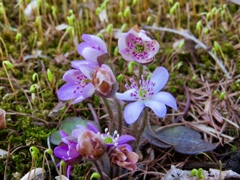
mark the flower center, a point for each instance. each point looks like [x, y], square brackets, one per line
[110, 139]
[81, 82]
[142, 91]
[138, 48]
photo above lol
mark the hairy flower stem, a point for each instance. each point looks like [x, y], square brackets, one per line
[120, 117]
[140, 71]
[110, 112]
[98, 169]
[191, 37]
[144, 120]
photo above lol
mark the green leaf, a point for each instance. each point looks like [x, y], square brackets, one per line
[183, 139]
[67, 125]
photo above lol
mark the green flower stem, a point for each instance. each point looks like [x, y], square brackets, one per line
[191, 37]
[109, 109]
[140, 71]
[120, 116]
[144, 120]
[10, 81]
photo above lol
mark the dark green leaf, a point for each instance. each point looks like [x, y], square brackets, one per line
[183, 139]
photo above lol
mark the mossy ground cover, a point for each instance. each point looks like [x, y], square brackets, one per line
[45, 41]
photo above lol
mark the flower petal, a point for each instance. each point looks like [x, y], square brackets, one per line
[82, 46]
[87, 91]
[80, 98]
[158, 108]
[132, 111]
[86, 67]
[95, 40]
[143, 35]
[63, 134]
[125, 138]
[126, 96]
[66, 92]
[165, 98]
[91, 54]
[71, 75]
[73, 153]
[159, 77]
[60, 151]
[93, 128]
[78, 131]
[156, 49]
[122, 44]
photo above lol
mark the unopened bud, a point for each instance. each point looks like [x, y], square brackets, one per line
[104, 81]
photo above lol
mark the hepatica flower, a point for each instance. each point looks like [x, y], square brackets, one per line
[93, 49]
[90, 75]
[67, 149]
[136, 45]
[81, 83]
[147, 94]
[77, 88]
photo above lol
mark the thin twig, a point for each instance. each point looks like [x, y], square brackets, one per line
[191, 37]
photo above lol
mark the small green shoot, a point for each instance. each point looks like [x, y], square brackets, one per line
[95, 175]
[198, 173]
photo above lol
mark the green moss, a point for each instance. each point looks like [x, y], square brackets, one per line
[80, 171]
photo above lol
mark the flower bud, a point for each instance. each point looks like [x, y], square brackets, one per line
[104, 81]
[90, 145]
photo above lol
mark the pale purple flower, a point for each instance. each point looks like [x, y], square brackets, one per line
[93, 49]
[77, 88]
[86, 79]
[136, 45]
[147, 95]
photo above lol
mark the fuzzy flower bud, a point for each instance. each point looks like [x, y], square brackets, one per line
[90, 145]
[104, 81]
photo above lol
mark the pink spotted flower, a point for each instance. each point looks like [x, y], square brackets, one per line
[136, 45]
[147, 94]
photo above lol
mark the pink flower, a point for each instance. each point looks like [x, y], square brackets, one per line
[123, 156]
[136, 45]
